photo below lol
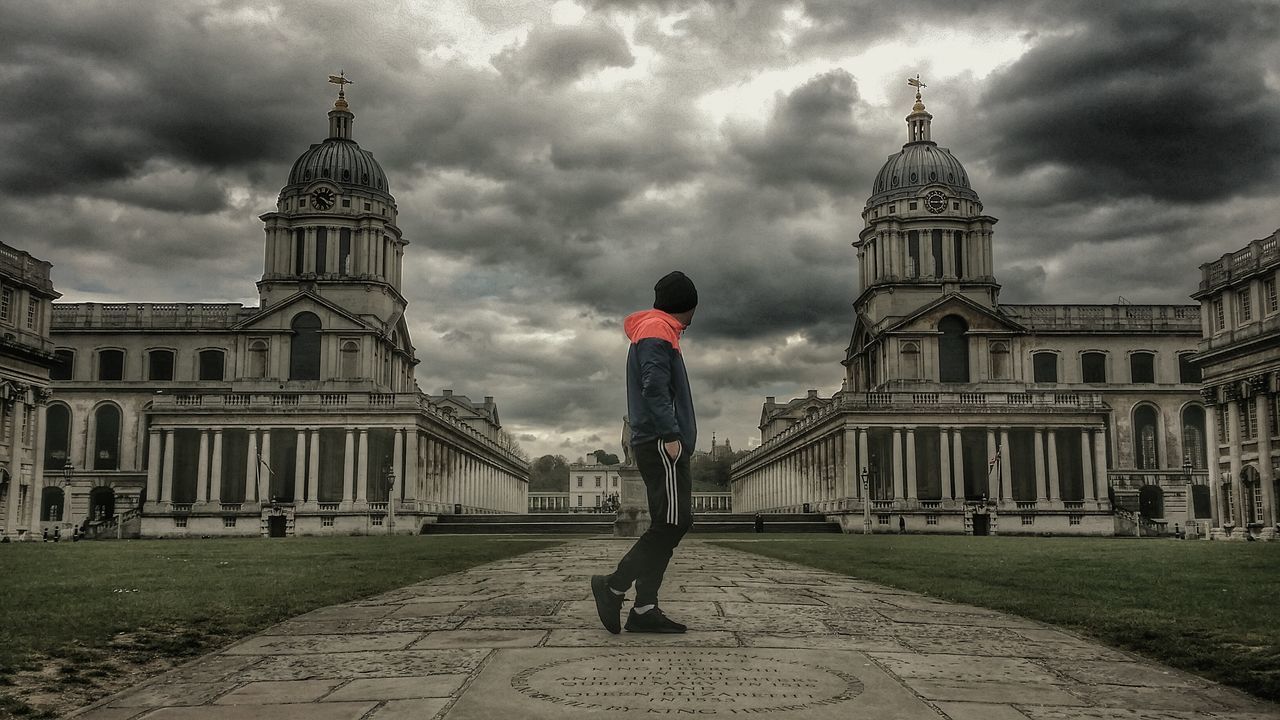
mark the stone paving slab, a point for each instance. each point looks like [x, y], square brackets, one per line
[519, 638]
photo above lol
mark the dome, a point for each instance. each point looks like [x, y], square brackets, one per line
[917, 165]
[341, 161]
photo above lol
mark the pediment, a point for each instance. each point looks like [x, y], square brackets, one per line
[977, 317]
[279, 317]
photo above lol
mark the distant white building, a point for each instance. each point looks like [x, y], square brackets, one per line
[591, 485]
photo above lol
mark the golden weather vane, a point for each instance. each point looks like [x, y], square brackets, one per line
[913, 82]
[341, 81]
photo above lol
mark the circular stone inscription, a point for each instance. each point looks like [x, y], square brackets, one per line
[686, 681]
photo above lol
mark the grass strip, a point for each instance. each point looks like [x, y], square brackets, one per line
[1206, 607]
[76, 616]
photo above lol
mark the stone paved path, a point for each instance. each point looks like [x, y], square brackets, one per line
[519, 639]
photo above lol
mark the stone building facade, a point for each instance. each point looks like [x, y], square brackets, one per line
[26, 354]
[958, 413]
[591, 484]
[299, 416]
[1240, 359]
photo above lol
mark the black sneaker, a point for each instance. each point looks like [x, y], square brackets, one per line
[652, 622]
[608, 603]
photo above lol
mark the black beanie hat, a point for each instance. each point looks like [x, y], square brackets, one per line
[675, 293]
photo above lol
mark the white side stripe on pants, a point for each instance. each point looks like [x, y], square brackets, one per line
[669, 466]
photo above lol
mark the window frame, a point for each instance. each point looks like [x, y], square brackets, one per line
[173, 364]
[70, 353]
[1133, 355]
[1035, 370]
[97, 365]
[1102, 354]
[201, 354]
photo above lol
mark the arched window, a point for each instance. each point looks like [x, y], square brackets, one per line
[106, 438]
[51, 504]
[999, 352]
[1142, 367]
[1193, 447]
[304, 353]
[350, 359]
[160, 365]
[1188, 371]
[110, 364]
[64, 365]
[953, 350]
[258, 359]
[1252, 487]
[57, 436]
[1146, 444]
[909, 360]
[1093, 367]
[213, 365]
[1044, 367]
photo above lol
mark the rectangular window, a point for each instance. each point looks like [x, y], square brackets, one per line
[299, 250]
[228, 522]
[882, 519]
[1219, 315]
[1073, 519]
[1028, 519]
[579, 481]
[913, 253]
[1246, 306]
[579, 501]
[1188, 371]
[1045, 367]
[326, 521]
[63, 367]
[1250, 424]
[322, 251]
[597, 481]
[1142, 367]
[930, 519]
[957, 252]
[912, 205]
[1093, 367]
[179, 522]
[212, 365]
[33, 313]
[160, 365]
[1273, 301]
[937, 253]
[6, 305]
[110, 364]
[344, 251]
[376, 520]
[892, 209]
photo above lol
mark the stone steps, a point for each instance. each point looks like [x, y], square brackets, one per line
[602, 524]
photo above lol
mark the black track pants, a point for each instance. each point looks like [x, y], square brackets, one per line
[670, 490]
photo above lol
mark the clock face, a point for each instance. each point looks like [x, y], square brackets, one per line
[323, 198]
[936, 202]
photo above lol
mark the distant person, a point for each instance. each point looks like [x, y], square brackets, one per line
[902, 525]
[57, 534]
[45, 534]
[663, 435]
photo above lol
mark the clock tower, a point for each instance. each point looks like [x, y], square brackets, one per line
[333, 232]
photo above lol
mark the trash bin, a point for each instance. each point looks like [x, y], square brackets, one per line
[457, 508]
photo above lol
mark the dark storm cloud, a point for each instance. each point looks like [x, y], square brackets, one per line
[1143, 101]
[557, 54]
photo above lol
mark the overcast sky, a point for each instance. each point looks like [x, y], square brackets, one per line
[551, 161]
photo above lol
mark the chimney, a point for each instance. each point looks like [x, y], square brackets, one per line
[813, 394]
[488, 399]
[770, 400]
[447, 392]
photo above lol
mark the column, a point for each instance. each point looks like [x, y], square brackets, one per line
[413, 481]
[944, 463]
[899, 489]
[1212, 456]
[926, 253]
[993, 483]
[362, 468]
[1055, 492]
[1100, 463]
[1006, 466]
[251, 468]
[264, 467]
[1233, 447]
[910, 486]
[215, 474]
[348, 467]
[1040, 473]
[851, 470]
[300, 468]
[166, 474]
[202, 469]
[15, 468]
[397, 462]
[1086, 464]
[1266, 473]
[154, 461]
[957, 463]
[313, 466]
[35, 495]
[864, 460]
[309, 253]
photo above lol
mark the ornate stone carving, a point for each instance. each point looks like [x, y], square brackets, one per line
[1257, 384]
[627, 455]
[1230, 391]
[1209, 395]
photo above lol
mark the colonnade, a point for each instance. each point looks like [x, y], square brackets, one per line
[885, 254]
[372, 251]
[1235, 502]
[430, 474]
[819, 471]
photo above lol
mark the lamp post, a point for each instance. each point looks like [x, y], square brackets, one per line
[866, 501]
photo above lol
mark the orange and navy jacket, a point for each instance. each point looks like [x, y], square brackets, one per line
[659, 402]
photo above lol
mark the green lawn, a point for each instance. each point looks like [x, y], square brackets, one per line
[1212, 608]
[72, 615]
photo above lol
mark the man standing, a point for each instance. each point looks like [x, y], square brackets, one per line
[663, 436]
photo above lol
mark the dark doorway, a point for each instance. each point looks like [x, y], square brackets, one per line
[982, 525]
[1151, 501]
[102, 503]
[276, 526]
